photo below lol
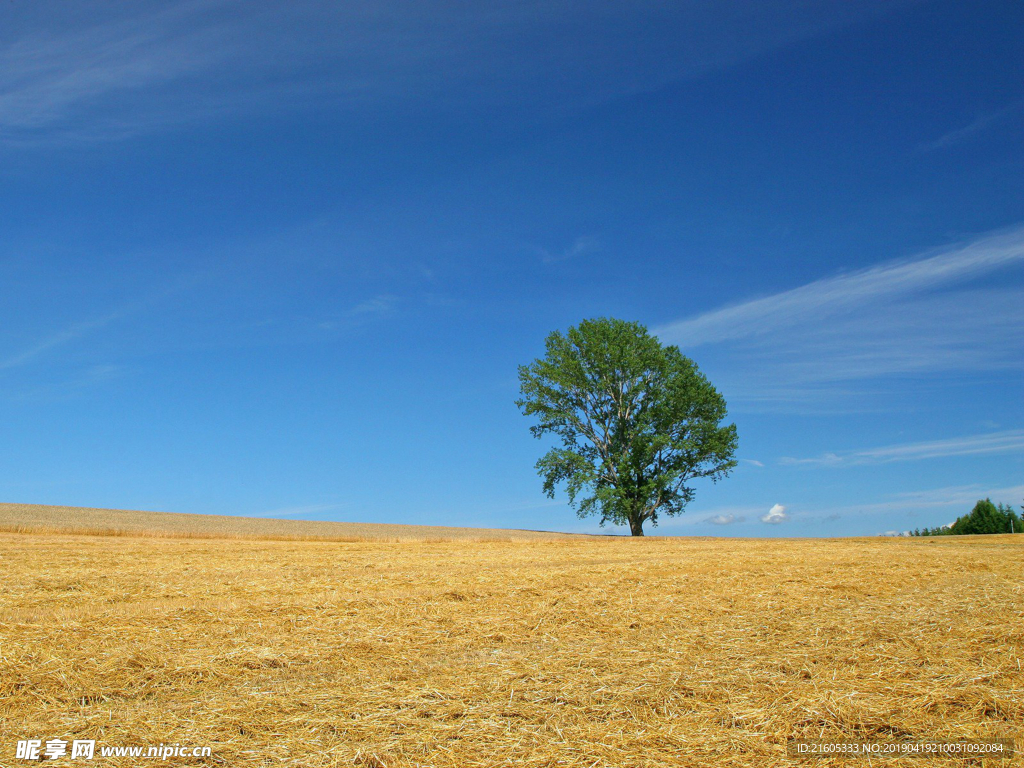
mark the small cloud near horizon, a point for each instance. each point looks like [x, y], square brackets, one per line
[298, 511]
[725, 519]
[775, 515]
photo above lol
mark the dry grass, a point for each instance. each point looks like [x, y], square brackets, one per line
[87, 521]
[572, 652]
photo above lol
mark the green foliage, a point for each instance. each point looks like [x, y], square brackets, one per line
[637, 422]
[986, 517]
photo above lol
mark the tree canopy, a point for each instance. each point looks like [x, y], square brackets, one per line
[986, 517]
[637, 422]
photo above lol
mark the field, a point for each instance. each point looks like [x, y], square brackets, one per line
[572, 651]
[40, 518]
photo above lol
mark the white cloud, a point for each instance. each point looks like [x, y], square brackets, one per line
[1011, 441]
[777, 514]
[753, 462]
[725, 519]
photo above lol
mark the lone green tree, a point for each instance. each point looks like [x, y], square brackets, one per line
[637, 422]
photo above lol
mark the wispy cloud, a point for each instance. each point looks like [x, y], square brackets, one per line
[75, 335]
[961, 134]
[58, 339]
[369, 310]
[949, 501]
[753, 462]
[954, 495]
[1011, 441]
[300, 511]
[713, 515]
[102, 71]
[904, 317]
[51, 75]
[726, 519]
[70, 385]
[374, 307]
[835, 297]
[580, 246]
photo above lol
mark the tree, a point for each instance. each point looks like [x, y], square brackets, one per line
[637, 422]
[1011, 520]
[987, 517]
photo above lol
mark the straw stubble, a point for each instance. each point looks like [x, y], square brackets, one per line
[569, 652]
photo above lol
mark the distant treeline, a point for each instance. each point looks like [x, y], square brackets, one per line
[986, 517]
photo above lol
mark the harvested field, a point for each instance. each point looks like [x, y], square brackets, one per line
[40, 518]
[572, 652]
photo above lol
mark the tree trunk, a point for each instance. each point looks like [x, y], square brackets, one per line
[636, 525]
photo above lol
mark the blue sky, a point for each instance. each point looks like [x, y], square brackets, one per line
[284, 259]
